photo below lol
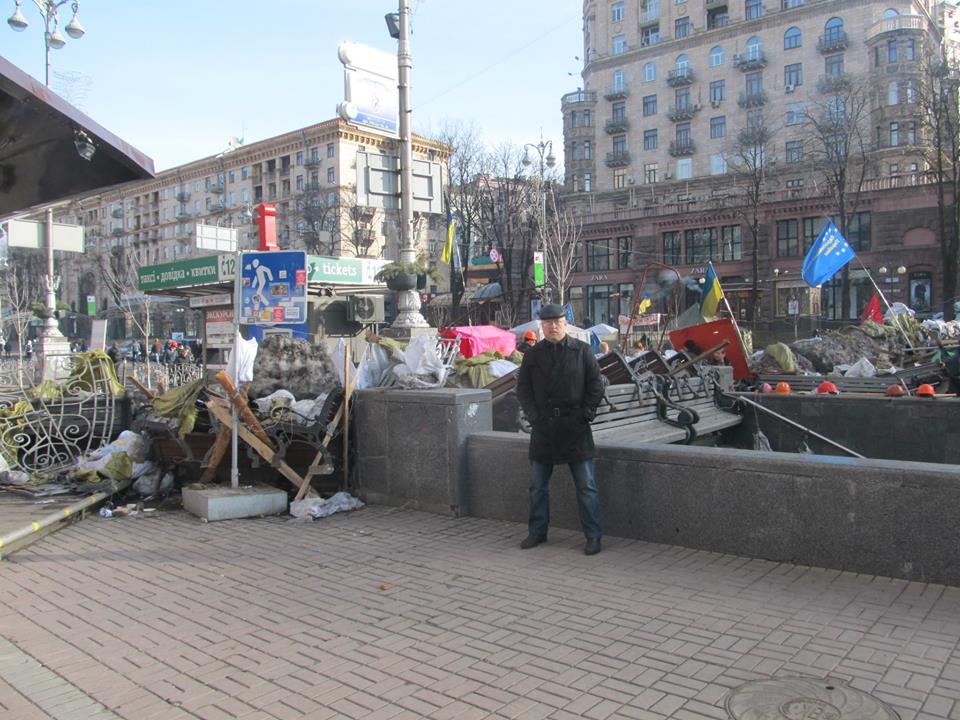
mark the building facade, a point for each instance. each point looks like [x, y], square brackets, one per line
[653, 142]
[334, 186]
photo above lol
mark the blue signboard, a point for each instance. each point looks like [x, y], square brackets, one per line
[273, 287]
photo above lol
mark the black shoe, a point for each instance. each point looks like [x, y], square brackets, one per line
[531, 541]
[592, 547]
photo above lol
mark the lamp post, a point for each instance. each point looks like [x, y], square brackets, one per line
[52, 39]
[544, 150]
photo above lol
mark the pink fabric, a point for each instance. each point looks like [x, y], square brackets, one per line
[478, 339]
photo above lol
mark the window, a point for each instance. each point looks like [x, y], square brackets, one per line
[650, 72]
[682, 97]
[587, 182]
[858, 231]
[718, 127]
[231, 176]
[833, 65]
[649, 36]
[586, 118]
[243, 173]
[754, 48]
[684, 169]
[616, 12]
[910, 133]
[701, 245]
[649, 105]
[573, 150]
[619, 44]
[619, 178]
[299, 157]
[894, 168]
[812, 226]
[649, 173]
[893, 93]
[910, 49]
[196, 185]
[330, 150]
[314, 154]
[894, 134]
[244, 195]
[795, 113]
[792, 38]
[331, 175]
[619, 111]
[753, 9]
[788, 241]
[166, 194]
[718, 165]
[732, 245]
[682, 27]
[650, 139]
[573, 118]
[794, 152]
[598, 254]
[671, 248]
[617, 81]
[716, 56]
[911, 95]
[587, 150]
[619, 144]
[833, 31]
[624, 252]
[793, 74]
[892, 50]
[717, 93]
[683, 134]
[788, 4]
[754, 83]
[682, 65]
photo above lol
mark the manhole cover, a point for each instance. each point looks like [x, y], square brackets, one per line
[797, 698]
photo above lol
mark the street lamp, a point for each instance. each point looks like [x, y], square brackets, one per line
[52, 38]
[544, 150]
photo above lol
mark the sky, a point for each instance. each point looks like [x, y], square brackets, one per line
[176, 78]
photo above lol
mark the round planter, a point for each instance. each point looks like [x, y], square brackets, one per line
[402, 282]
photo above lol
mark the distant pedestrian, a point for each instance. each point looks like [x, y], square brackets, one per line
[113, 352]
[28, 349]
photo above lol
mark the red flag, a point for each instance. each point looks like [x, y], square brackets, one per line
[872, 311]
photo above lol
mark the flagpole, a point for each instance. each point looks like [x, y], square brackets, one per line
[894, 316]
[733, 318]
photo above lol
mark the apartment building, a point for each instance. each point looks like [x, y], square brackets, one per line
[649, 139]
[334, 186]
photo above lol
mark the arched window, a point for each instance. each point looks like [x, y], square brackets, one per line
[649, 71]
[893, 93]
[683, 64]
[890, 13]
[716, 56]
[833, 30]
[754, 48]
[792, 38]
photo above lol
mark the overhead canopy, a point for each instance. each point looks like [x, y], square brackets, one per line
[39, 158]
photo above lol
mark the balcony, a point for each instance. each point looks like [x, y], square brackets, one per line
[117, 232]
[833, 83]
[710, 4]
[717, 21]
[833, 41]
[182, 216]
[683, 112]
[117, 213]
[312, 161]
[681, 148]
[679, 78]
[650, 39]
[617, 125]
[285, 171]
[619, 158]
[216, 208]
[894, 24]
[182, 196]
[216, 189]
[616, 93]
[649, 16]
[753, 60]
[580, 96]
[752, 99]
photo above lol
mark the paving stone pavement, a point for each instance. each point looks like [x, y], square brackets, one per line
[394, 614]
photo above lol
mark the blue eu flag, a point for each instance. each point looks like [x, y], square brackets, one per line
[827, 255]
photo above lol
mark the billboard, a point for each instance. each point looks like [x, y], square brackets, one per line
[370, 88]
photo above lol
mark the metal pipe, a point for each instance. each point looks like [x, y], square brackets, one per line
[67, 512]
[798, 426]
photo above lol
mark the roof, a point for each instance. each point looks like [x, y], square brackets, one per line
[39, 160]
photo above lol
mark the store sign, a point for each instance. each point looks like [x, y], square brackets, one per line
[219, 327]
[343, 271]
[196, 271]
[211, 300]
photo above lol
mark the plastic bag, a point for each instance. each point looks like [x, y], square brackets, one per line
[316, 507]
[421, 366]
[761, 442]
[241, 361]
[861, 368]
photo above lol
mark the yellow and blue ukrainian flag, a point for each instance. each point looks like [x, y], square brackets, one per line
[447, 254]
[711, 294]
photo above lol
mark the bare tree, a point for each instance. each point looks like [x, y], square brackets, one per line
[17, 301]
[356, 224]
[118, 269]
[315, 210]
[939, 99]
[749, 158]
[838, 147]
[562, 244]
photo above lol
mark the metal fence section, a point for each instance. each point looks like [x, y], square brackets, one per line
[153, 375]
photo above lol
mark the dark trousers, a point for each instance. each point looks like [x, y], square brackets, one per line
[588, 498]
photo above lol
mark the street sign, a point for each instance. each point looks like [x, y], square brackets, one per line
[273, 287]
[539, 279]
[343, 271]
[184, 273]
[214, 237]
[211, 300]
[30, 234]
[494, 255]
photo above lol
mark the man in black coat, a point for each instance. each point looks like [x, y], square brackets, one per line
[559, 388]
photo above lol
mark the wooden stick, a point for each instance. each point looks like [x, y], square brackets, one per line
[346, 414]
[150, 393]
[216, 454]
[698, 358]
[246, 415]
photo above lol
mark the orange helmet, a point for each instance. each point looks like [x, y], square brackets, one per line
[827, 388]
[894, 391]
[926, 390]
[530, 335]
[783, 388]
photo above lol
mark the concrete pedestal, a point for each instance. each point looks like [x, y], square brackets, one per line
[226, 503]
